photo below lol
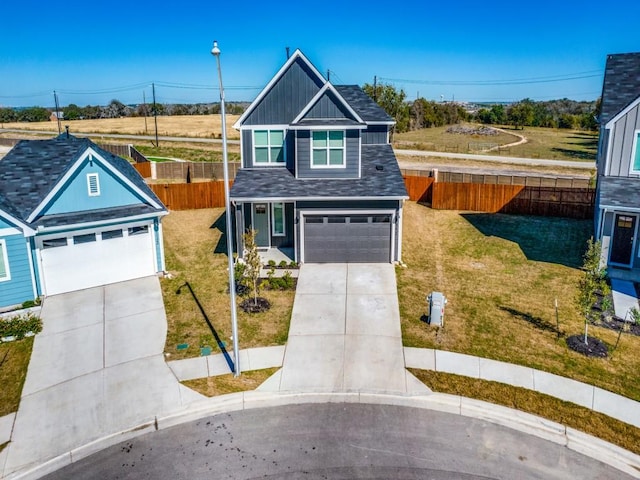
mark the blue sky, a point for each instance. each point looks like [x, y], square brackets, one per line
[92, 52]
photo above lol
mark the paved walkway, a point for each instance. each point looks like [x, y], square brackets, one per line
[624, 298]
[96, 369]
[345, 333]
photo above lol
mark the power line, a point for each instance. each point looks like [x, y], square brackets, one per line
[516, 81]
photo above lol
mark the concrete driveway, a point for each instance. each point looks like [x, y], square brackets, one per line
[97, 368]
[345, 333]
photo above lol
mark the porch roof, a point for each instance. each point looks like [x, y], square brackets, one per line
[380, 179]
[622, 193]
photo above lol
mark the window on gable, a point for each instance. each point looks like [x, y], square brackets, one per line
[328, 149]
[4, 262]
[636, 153]
[93, 184]
[268, 147]
[277, 219]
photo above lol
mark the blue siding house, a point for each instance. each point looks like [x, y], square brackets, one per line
[319, 179]
[73, 216]
[617, 212]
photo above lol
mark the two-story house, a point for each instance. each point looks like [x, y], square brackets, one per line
[319, 179]
[618, 166]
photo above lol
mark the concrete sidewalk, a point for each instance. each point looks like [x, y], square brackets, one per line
[97, 368]
[345, 333]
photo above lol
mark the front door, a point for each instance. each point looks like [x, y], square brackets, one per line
[261, 224]
[623, 235]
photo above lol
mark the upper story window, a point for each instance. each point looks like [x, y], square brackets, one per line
[268, 147]
[93, 184]
[4, 262]
[327, 149]
[635, 158]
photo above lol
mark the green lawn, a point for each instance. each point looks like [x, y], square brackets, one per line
[195, 251]
[546, 143]
[501, 275]
[14, 361]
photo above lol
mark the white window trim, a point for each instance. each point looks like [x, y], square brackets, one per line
[273, 223]
[328, 148]
[634, 150]
[97, 182]
[269, 129]
[5, 258]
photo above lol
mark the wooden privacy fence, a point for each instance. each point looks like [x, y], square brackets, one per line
[515, 199]
[196, 170]
[189, 196]
[144, 169]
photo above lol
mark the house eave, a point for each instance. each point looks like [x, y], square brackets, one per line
[328, 127]
[314, 199]
[115, 221]
[622, 113]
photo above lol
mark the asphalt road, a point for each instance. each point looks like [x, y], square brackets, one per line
[338, 441]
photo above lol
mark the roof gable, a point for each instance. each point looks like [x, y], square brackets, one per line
[288, 92]
[621, 85]
[327, 104]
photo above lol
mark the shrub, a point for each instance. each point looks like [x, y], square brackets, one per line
[271, 263]
[283, 264]
[293, 264]
[19, 325]
[31, 303]
[287, 280]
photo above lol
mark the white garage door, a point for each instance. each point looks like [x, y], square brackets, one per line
[88, 260]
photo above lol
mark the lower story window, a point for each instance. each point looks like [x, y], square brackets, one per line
[4, 262]
[277, 216]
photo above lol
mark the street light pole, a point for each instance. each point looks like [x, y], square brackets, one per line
[215, 51]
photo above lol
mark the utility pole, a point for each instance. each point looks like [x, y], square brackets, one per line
[55, 98]
[375, 88]
[144, 109]
[215, 51]
[328, 75]
[155, 112]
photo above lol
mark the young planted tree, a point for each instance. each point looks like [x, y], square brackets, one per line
[592, 282]
[253, 264]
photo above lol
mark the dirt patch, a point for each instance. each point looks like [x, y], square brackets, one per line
[593, 348]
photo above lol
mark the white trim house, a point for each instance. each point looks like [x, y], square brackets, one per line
[336, 185]
[73, 216]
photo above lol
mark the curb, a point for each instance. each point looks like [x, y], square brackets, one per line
[579, 442]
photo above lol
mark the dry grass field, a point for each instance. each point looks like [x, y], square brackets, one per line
[195, 126]
[548, 143]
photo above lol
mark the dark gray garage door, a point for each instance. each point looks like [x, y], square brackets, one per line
[347, 238]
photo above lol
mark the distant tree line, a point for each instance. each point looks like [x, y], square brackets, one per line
[116, 109]
[422, 113]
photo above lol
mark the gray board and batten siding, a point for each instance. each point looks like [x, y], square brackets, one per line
[622, 141]
[329, 106]
[287, 97]
[375, 135]
[352, 157]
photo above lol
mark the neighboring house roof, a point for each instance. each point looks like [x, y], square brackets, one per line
[621, 84]
[363, 104]
[619, 192]
[280, 183]
[33, 169]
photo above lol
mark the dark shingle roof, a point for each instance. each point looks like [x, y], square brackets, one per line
[621, 84]
[33, 168]
[280, 183]
[363, 104]
[619, 192]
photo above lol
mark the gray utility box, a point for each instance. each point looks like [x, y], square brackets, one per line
[436, 302]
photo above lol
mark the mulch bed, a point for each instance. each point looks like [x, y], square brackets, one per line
[593, 348]
[608, 319]
[249, 305]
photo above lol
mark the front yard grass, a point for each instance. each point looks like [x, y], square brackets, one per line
[223, 384]
[14, 361]
[195, 252]
[501, 275]
[574, 416]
